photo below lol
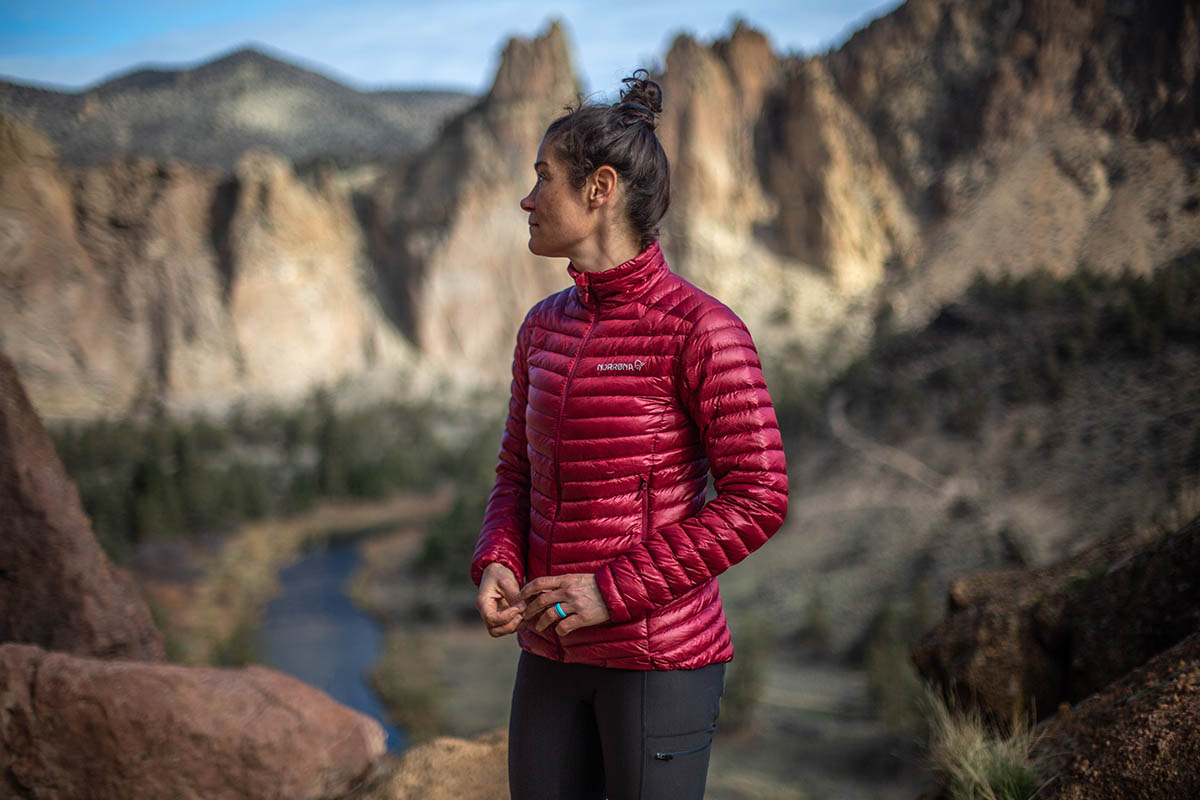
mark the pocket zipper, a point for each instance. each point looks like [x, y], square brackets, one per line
[644, 491]
[688, 752]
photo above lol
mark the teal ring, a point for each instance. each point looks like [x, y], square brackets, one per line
[561, 614]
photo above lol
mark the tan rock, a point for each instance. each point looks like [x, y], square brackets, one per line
[446, 768]
[144, 283]
[74, 727]
[59, 590]
[947, 138]
[448, 234]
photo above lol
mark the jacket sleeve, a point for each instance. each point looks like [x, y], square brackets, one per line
[722, 386]
[504, 536]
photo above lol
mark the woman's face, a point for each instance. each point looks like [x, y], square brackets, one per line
[559, 217]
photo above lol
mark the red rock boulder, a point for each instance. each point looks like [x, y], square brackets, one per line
[123, 730]
[57, 588]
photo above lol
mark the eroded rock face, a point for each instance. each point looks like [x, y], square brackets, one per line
[1017, 642]
[57, 588]
[1137, 739]
[75, 727]
[447, 233]
[143, 283]
[948, 138]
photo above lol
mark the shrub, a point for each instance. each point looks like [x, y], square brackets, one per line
[449, 543]
[976, 762]
[747, 672]
[892, 683]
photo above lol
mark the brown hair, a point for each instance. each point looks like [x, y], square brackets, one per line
[622, 136]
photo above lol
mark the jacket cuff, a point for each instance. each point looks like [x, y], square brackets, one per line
[617, 610]
[481, 562]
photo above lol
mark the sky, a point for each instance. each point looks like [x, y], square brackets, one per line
[370, 45]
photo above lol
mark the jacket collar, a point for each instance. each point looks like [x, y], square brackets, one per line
[621, 284]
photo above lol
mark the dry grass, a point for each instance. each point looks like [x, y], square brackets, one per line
[975, 761]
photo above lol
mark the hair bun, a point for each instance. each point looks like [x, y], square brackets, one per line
[641, 98]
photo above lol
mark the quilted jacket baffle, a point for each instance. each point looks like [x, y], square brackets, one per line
[628, 388]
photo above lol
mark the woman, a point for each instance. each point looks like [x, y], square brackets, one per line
[597, 547]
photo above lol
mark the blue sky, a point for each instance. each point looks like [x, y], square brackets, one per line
[371, 44]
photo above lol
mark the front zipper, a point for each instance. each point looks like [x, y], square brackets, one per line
[562, 407]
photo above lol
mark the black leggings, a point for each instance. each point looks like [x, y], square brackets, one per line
[579, 732]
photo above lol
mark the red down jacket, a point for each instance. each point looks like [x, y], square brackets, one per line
[628, 388]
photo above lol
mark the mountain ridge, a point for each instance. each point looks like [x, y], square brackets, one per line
[198, 114]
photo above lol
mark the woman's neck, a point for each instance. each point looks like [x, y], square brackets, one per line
[610, 247]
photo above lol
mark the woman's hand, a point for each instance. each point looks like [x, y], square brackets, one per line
[580, 598]
[498, 602]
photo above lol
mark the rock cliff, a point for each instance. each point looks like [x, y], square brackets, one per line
[446, 231]
[143, 283]
[948, 138]
[1104, 646]
[59, 591]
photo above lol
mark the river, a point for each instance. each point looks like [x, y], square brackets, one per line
[311, 630]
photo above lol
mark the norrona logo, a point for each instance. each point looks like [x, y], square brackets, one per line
[622, 366]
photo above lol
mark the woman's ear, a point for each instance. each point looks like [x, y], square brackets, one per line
[602, 187]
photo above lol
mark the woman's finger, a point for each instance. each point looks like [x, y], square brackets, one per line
[503, 630]
[502, 616]
[538, 585]
[572, 622]
[543, 601]
[551, 617]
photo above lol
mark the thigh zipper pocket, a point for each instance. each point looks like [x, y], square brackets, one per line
[688, 752]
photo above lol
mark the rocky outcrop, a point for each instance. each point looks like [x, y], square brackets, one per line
[75, 727]
[446, 768]
[1018, 641]
[1028, 136]
[87, 709]
[141, 284]
[59, 591]
[1137, 739]
[948, 138]
[937, 80]
[1104, 646]
[446, 232]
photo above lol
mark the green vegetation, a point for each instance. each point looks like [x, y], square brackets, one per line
[1016, 340]
[164, 478]
[449, 542]
[893, 686]
[977, 762]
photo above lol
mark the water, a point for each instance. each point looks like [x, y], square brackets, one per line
[311, 630]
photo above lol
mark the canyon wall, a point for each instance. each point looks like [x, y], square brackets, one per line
[948, 138]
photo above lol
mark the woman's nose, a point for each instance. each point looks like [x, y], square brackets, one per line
[527, 202]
